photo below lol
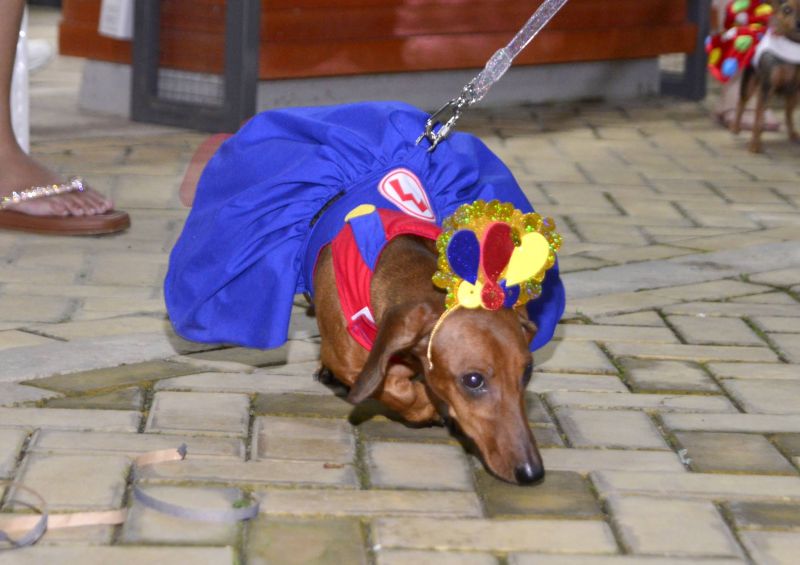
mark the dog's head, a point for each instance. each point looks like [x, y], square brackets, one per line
[481, 367]
[786, 18]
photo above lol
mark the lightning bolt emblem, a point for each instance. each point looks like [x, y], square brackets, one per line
[406, 197]
[402, 188]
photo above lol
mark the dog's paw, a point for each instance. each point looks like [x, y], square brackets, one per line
[324, 376]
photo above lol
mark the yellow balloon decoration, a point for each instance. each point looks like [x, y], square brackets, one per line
[529, 259]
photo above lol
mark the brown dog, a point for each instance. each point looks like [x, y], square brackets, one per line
[481, 361]
[771, 73]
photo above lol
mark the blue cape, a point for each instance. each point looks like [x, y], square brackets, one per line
[248, 245]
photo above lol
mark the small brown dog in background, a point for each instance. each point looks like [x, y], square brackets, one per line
[771, 73]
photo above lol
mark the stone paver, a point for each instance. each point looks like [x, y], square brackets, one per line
[714, 331]
[557, 536]
[13, 338]
[778, 548]
[765, 397]
[12, 394]
[572, 357]
[120, 399]
[650, 375]
[404, 556]
[701, 353]
[620, 429]
[653, 402]
[776, 324]
[304, 438]
[305, 541]
[415, 466]
[65, 419]
[588, 460]
[672, 527]
[666, 407]
[134, 444]
[73, 482]
[755, 371]
[370, 503]
[381, 429]
[765, 515]
[80, 555]
[547, 382]
[113, 377]
[563, 493]
[199, 412]
[145, 526]
[279, 471]
[10, 446]
[789, 345]
[710, 486]
[579, 332]
[322, 405]
[256, 382]
[543, 559]
[710, 452]
[746, 423]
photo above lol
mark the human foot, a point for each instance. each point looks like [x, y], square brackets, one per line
[21, 172]
[728, 119]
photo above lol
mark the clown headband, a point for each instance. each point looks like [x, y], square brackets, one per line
[492, 256]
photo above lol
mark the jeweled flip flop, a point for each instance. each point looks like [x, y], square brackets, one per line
[96, 224]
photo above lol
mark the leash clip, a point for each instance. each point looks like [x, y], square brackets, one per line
[446, 118]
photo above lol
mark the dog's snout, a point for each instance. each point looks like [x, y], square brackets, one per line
[527, 473]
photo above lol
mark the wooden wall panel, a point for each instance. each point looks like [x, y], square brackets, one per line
[305, 38]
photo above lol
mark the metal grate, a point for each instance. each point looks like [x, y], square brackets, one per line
[193, 88]
[217, 103]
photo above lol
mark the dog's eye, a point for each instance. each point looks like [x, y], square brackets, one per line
[526, 375]
[473, 381]
[787, 10]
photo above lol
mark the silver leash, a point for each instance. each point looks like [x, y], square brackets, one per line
[474, 91]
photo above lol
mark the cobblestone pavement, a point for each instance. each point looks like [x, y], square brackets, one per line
[667, 409]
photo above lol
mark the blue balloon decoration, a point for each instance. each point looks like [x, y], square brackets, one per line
[512, 294]
[730, 66]
[464, 255]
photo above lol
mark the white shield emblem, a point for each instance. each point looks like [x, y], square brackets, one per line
[404, 190]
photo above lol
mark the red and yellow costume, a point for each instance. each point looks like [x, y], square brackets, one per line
[731, 50]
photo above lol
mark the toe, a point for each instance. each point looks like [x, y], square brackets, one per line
[99, 203]
[75, 205]
[58, 207]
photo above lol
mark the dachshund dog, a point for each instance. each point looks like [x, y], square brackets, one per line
[481, 361]
[339, 202]
[774, 70]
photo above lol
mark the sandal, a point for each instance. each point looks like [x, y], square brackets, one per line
[727, 117]
[98, 224]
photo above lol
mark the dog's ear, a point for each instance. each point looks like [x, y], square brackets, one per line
[529, 329]
[401, 329]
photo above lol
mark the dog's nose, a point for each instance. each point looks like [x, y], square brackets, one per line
[527, 474]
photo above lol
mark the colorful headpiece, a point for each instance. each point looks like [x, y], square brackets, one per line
[491, 255]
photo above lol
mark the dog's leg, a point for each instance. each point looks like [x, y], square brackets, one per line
[758, 125]
[791, 104]
[746, 90]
